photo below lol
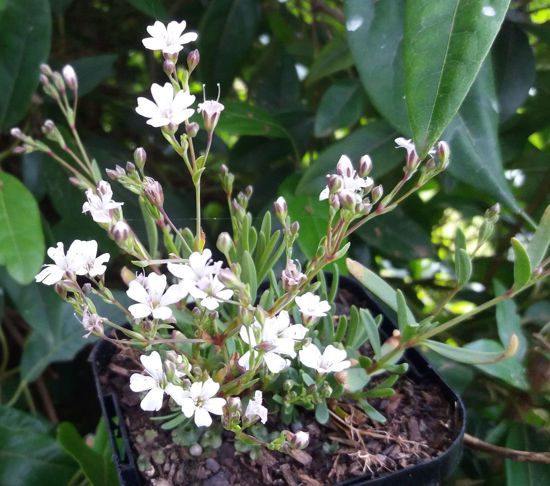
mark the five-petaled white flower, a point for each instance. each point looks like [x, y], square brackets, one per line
[255, 409]
[198, 271]
[276, 338]
[80, 260]
[168, 38]
[155, 381]
[101, 204]
[331, 361]
[216, 293]
[149, 292]
[210, 111]
[200, 401]
[350, 181]
[311, 305]
[168, 108]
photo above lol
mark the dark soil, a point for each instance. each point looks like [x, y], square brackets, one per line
[421, 424]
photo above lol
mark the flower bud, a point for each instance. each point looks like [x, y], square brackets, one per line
[192, 129]
[291, 277]
[46, 69]
[130, 167]
[169, 67]
[210, 111]
[281, 209]
[443, 152]
[493, 213]
[377, 193]
[112, 174]
[193, 59]
[430, 165]
[224, 243]
[16, 132]
[299, 440]
[48, 128]
[153, 192]
[69, 75]
[44, 81]
[58, 81]
[120, 231]
[295, 227]
[87, 288]
[334, 183]
[140, 157]
[344, 167]
[365, 166]
[412, 161]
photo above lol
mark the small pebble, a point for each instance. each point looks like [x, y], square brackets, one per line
[195, 450]
[212, 465]
[221, 478]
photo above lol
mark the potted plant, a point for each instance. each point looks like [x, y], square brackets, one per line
[209, 353]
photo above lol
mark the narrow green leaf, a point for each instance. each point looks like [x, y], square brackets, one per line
[375, 35]
[341, 106]
[522, 265]
[372, 413]
[373, 334]
[444, 45]
[539, 243]
[26, 36]
[334, 57]
[150, 227]
[21, 238]
[341, 329]
[321, 413]
[463, 267]
[356, 335]
[373, 283]
[98, 469]
[460, 239]
[248, 274]
[464, 355]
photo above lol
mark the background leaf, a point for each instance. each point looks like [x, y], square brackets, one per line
[21, 238]
[154, 8]
[375, 34]
[25, 27]
[444, 45]
[29, 455]
[93, 70]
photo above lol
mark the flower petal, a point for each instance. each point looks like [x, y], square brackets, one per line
[152, 402]
[202, 418]
[139, 383]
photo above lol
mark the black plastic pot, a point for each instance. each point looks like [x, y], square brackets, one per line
[429, 473]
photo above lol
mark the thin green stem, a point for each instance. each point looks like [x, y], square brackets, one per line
[68, 167]
[29, 399]
[5, 352]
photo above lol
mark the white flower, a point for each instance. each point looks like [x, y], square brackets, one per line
[210, 110]
[101, 204]
[311, 305]
[350, 180]
[167, 108]
[200, 401]
[331, 361]
[277, 337]
[79, 260]
[92, 323]
[255, 408]
[154, 381]
[409, 146]
[168, 39]
[149, 292]
[301, 439]
[216, 293]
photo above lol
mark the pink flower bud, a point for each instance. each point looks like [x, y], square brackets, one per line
[224, 243]
[153, 191]
[281, 209]
[193, 59]
[104, 188]
[443, 151]
[210, 111]
[44, 81]
[69, 75]
[169, 67]
[344, 167]
[15, 132]
[140, 157]
[58, 81]
[192, 129]
[130, 167]
[365, 166]
[120, 231]
[48, 128]
[377, 193]
[46, 69]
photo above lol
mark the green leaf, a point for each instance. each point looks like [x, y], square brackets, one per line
[525, 438]
[375, 139]
[378, 286]
[405, 319]
[93, 70]
[334, 57]
[522, 265]
[510, 370]
[509, 321]
[463, 267]
[371, 326]
[473, 138]
[372, 412]
[226, 33]
[460, 239]
[24, 45]
[244, 119]
[248, 274]
[321, 413]
[514, 64]
[29, 455]
[463, 355]
[444, 45]
[341, 106]
[21, 238]
[154, 8]
[539, 243]
[375, 33]
[98, 469]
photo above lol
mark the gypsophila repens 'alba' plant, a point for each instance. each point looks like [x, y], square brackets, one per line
[210, 342]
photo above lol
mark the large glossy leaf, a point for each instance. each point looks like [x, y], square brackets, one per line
[514, 64]
[525, 438]
[29, 455]
[375, 34]
[244, 119]
[509, 321]
[335, 56]
[25, 27]
[92, 70]
[510, 370]
[98, 468]
[444, 46]
[375, 139]
[227, 31]
[538, 245]
[21, 238]
[341, 105]
[473, 137]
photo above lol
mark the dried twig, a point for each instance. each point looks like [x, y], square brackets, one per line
[522, 456]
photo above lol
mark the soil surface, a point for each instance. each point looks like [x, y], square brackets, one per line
[421, 424]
